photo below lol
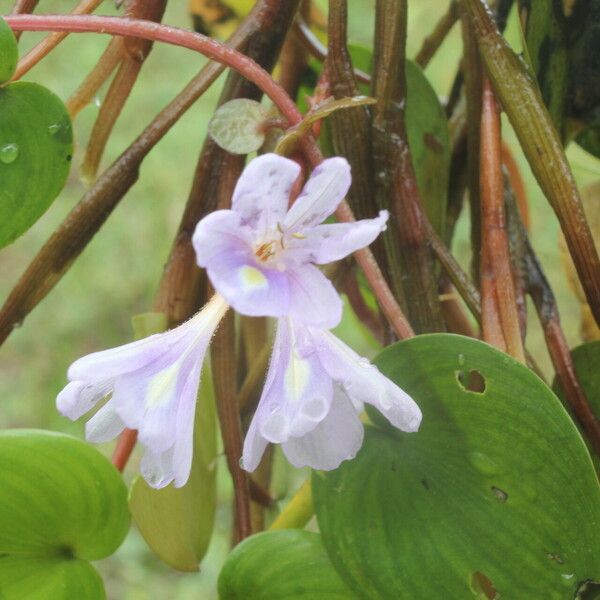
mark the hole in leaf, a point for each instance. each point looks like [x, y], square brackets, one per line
[473, 381]
[588, 590]
[500, 494]
[555, 557]
[482, 587]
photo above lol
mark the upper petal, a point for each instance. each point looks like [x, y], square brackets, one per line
[220, 232]
[313, 299]
[327, 243]
[321, 195]
[336, 438]
[262, 193]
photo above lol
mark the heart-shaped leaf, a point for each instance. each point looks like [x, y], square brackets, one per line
[9, 52]
[494, 497]
[36, 143]
[61, 504]
[290, 564]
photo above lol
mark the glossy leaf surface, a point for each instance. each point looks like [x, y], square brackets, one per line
[290, 564]
[36, 144]
[495, 495]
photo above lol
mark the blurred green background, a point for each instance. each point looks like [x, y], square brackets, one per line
[117, 274]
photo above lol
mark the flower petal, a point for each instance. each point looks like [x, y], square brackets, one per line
[79, 397]
[336, 438]
[221, 232]
[106, 365]
[157, 468]
[321, 195]
[262, 192]
[249, 287]
[105, 425]
[298, 392]
[327, 243]
[254, 447]
[363, 382]
[313, 299]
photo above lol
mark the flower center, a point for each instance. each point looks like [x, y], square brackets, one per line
[265, 251]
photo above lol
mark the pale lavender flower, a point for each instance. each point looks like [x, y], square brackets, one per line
[151, 386]
[261, 257]
[314, 391]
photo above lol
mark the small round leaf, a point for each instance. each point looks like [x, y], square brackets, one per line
[290, 564]
[36, 144]
[236, 126]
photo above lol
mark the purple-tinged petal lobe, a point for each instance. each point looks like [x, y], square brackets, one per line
[325, 189]
[254, 447]
[327, 243]
[336, 438]
[313, 299]
[221, 232]
[262, 192]
[251, 289]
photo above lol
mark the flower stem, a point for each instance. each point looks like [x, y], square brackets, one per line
[298, 511]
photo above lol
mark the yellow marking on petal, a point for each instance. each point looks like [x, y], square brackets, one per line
[298, 235]
[297, 376]
[252, 278]
[157, 392]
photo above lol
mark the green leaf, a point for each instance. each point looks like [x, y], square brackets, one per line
[36, 144]
[290, 564]
[60, 501]
[547, 52]
[429, 142]
[586, 359]
[48, 577]
[177, 523]
[495, 495]
[237, 125]
[9, 52]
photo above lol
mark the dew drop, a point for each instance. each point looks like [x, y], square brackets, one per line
[97, 101]
[461, 360]
[9, 153]
[54, 128]
[241, 462]
[364, 362]
[483, 463]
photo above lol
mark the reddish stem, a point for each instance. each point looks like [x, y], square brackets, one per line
[251, 71]
[499, 309]
[167, 34]
[124, 448]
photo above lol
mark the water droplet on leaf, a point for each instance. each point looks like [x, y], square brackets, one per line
[9, 153]
[54, 128]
